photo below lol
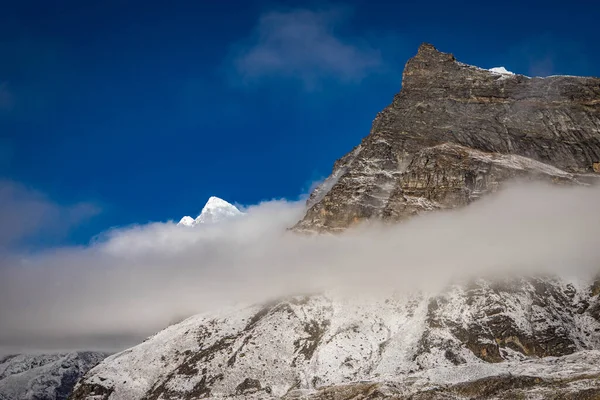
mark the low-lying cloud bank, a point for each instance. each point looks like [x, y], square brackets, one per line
[131, 282]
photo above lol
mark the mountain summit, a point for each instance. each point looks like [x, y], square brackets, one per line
[456, 132]
[215, 210]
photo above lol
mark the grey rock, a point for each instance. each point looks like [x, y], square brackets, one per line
[456, 132]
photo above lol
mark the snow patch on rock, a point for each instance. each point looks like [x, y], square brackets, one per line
[501, 70]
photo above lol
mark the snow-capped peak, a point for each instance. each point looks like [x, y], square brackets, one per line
[214, 210]
[187, 221]
[214, 203]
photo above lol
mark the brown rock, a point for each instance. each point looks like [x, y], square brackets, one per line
[454, 133]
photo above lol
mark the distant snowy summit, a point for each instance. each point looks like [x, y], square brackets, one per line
[215, 210]
[49, 376]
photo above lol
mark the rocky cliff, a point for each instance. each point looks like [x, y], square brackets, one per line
[456, 132]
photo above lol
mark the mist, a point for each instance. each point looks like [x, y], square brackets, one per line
[130, 282]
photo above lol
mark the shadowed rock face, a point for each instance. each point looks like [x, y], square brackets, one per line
[456, 132]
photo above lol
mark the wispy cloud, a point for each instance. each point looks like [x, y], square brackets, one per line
[28, 214]
[135, 280]
[304, 44]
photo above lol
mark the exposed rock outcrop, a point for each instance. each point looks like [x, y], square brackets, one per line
[456, 132]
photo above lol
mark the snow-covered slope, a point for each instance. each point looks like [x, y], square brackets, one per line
[215, 210]
[311, 342]
[44, 376]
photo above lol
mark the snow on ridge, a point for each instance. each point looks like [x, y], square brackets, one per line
[501, 70]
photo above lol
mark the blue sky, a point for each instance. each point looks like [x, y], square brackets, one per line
[122, 112]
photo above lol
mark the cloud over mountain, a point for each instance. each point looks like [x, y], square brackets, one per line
[132, 281]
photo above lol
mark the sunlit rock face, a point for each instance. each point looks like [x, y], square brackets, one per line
[456, 132]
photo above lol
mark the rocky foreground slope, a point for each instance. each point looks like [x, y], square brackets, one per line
[44, 376]
[453, 134]
[400, 345]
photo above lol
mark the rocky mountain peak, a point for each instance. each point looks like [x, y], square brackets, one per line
[428, 57]
[456, 132]
[428, 63]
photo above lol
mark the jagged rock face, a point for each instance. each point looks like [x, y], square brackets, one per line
[535, 317]
[44, 376]
[456, 132]
[305, 343]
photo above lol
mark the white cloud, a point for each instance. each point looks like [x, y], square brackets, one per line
[133, 281]
[304, 44]
[27, 213]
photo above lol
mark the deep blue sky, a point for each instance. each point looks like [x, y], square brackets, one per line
[145, 109]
